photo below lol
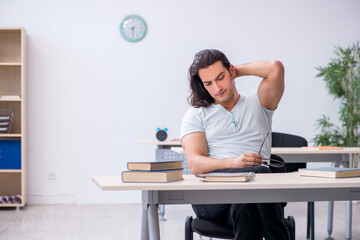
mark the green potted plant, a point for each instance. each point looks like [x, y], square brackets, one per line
[342, 78]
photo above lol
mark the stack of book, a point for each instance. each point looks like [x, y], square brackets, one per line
[168, 171]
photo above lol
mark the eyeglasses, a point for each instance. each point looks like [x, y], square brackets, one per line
[270, 162]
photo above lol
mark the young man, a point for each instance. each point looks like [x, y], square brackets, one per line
[223, 131]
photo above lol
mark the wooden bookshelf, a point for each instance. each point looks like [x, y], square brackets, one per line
[13, 96]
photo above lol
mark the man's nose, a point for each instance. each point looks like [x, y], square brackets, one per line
[217, 87]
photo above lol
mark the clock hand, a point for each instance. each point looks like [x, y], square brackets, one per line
[132, 30]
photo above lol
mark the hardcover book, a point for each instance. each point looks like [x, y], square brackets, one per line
[154, 166]
[226, 177]
[152, 176]
[330, 172]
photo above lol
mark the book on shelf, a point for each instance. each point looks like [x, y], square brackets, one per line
[6, 123]
[154, 166]
[227, 177]
[5, 118]
[330, 172]
[161, 176]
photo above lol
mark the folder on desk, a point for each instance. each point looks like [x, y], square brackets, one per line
[226, 177]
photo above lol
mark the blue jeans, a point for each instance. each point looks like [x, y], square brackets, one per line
[249, 221]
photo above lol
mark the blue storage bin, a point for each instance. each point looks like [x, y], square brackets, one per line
[10, 154]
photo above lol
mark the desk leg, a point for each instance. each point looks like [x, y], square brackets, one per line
[354, 160]
[144, 224]
[348, 219]
[153, 219]
[312, 217]
[150, 218]
[330, 220]
[162, 212]
[310, 230]
[150, 223]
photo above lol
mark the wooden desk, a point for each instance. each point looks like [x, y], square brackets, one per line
[274, 187]
[348, 157]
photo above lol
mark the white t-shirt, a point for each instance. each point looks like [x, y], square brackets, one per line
[230, 134]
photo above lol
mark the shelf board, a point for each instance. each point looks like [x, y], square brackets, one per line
[10, 135]
[11, 205]
[10, 170]
[10, 100]
[10, 64]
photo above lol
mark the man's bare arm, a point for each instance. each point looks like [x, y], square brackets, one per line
[196, 153]
[271, 87]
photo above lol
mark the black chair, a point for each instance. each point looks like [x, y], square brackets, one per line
[222, 230]
[288, 140]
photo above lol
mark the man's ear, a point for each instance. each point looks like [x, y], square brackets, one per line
[232, 71]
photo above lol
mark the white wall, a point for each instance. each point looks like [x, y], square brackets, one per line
[92, 95]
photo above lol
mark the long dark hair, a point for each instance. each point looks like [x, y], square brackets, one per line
[199, 96]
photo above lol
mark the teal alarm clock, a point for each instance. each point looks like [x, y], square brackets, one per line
[133, 28]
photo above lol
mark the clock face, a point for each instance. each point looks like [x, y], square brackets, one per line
[133, 28]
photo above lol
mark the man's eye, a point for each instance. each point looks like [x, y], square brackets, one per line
[221, 78]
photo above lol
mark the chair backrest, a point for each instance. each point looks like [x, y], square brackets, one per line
[289, 140]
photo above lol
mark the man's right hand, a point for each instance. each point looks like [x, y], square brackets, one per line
[246, 160]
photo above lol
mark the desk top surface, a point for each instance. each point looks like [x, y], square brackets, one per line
[261, 181]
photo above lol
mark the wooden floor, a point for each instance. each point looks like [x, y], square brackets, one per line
[43, 222]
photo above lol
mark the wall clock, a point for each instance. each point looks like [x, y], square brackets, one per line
[133, 28]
